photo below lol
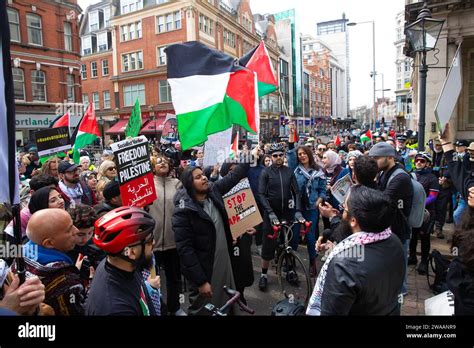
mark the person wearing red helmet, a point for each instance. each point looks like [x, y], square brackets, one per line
[126, 235]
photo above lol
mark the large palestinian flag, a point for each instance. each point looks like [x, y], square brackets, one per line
[88, 132]
[210, 92]
[259, 61]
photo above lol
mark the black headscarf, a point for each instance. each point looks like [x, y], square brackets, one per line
[40, 199]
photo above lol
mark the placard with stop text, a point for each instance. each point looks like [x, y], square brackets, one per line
[241, 208]
[135, 174]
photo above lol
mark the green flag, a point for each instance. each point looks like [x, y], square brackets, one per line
[134, 122]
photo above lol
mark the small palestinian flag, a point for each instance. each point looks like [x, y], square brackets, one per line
[259, 61]
[366, 137]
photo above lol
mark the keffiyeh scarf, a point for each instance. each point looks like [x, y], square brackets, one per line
[359, 238]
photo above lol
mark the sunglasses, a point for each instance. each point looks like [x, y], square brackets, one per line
[277, 155]
[112, 168]
[421, 160]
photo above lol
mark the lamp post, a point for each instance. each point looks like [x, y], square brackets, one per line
[373, 74]
[423, 35]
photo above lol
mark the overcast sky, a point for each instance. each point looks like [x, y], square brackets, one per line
[309, 12]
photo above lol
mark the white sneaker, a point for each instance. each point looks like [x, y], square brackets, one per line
[180, 313]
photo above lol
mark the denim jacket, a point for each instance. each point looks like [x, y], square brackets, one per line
[318, 185]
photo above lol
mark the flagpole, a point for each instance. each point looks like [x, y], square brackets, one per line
[283, 102]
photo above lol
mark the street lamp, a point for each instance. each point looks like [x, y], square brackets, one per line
[423, 35]
[373, 73]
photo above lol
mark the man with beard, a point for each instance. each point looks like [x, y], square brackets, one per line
[362, 275]
[69, 184]
[126, 235]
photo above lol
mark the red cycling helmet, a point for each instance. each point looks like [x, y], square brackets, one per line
[122, 227]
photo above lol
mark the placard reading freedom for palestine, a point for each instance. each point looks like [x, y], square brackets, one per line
[135, 174]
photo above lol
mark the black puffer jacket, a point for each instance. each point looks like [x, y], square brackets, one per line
[195, 232]
[367, 284]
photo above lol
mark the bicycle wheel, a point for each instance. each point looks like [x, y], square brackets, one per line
[293, 277]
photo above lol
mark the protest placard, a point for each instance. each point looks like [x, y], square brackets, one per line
[241, 208]
[450, 92]
[442, 304]
[169, 133]
[135, 174]
[341, 188]
[52, 140]
[217, 147]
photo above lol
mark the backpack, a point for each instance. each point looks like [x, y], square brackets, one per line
[439, 265]
[417, 211]
[287, 308]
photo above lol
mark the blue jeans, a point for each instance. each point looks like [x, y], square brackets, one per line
[458, 212]
[310, 215]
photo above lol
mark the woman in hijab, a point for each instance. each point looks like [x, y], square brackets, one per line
[45, 197]
[334, 171]
[351, 157]
[107, 172]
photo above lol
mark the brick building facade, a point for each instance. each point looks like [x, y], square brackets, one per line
[45, 61]
[140, 31]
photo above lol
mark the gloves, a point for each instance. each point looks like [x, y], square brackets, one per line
[299, 217]
[273, 219]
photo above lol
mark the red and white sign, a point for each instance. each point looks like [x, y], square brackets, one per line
[135, 173]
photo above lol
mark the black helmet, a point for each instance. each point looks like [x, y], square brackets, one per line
[277, 147]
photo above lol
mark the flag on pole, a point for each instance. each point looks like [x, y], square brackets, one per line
[88, 132]
[61, 121]
[9, 187]
[210, 92]
[235, 147]
[366, 137]
[134, 122]
[259, 61]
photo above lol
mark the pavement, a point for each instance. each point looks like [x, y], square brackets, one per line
[413, 303]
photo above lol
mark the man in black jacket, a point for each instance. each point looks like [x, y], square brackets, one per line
[279, 197]
[203, 236]
[363, 273]
[399, 191]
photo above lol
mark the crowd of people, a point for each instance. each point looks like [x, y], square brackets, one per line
[87, 254]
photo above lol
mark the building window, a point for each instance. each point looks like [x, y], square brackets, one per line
[132, 92]
[70, 88]
[165, 91]
[399, 84]
[399, 68]
[35, 34]
[83, 71]
[107, 16]
[106, 100]
[18, 84]
[95, 100]
[102, 42]
[131, 31]
[470, 119]
[86, 45]
[130, 5]
[67, 37]
[206, 25]
[14, 22]
[94, 21]
[132, 61]
[168, 22]
[85, 100]
[105, 67]
[161, 55]
[229, 38]
[407, 65]
[94, 69]
[38, 85]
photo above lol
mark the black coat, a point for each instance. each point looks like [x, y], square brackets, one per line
[367, 284]
[195, 232]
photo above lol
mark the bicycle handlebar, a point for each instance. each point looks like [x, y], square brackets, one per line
[234, 298]
[276, 228]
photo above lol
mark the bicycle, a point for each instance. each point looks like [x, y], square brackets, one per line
[296, 284]
[234, 298]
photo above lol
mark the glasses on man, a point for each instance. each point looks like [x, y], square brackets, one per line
[277, 155]
[322, 149]
[421, 160]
